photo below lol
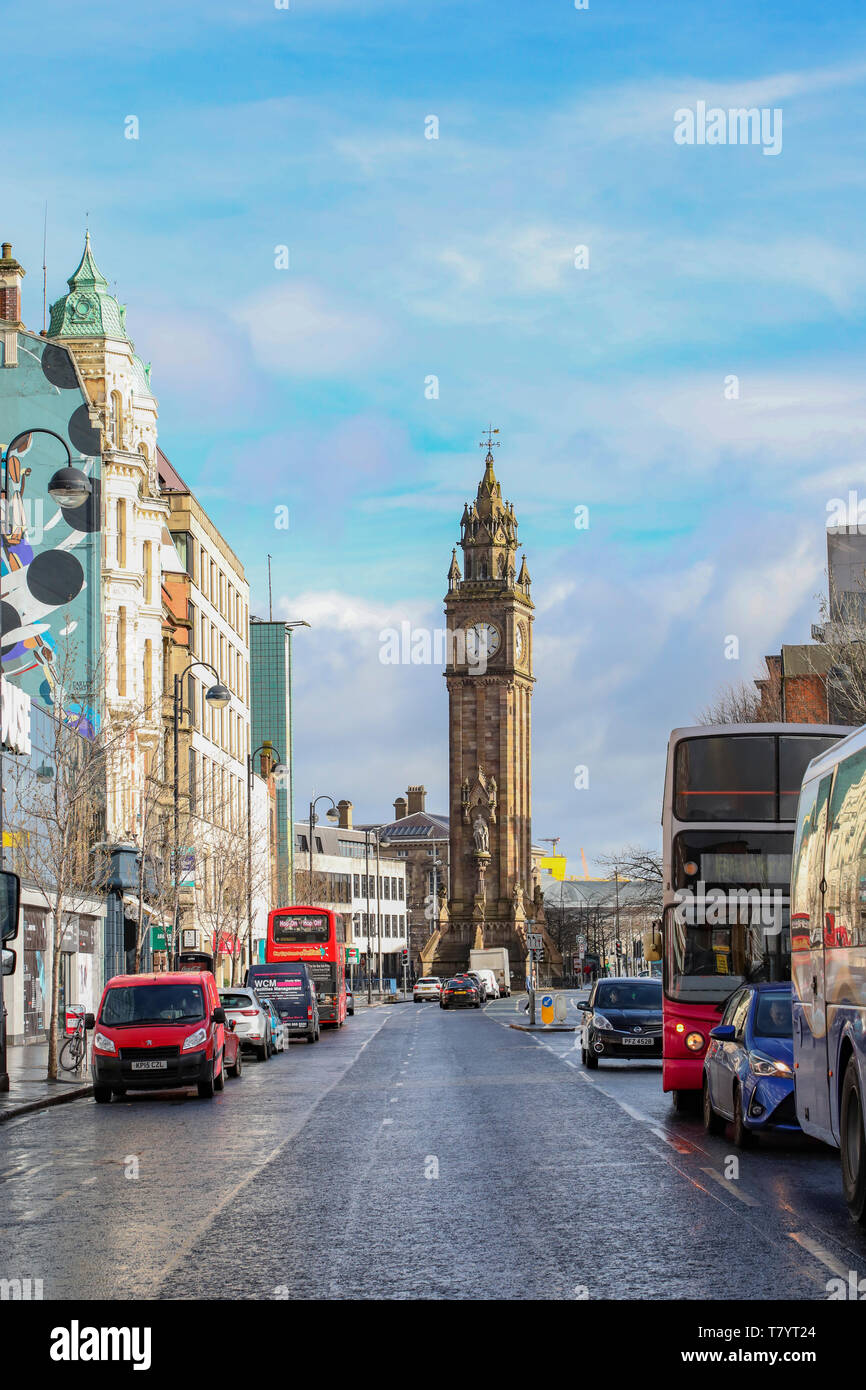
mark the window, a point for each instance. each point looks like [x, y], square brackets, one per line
[203, 573]
[401, 884]
[121, 651]
[319, 849]
[356, 885]
[117, 419]
[148, 674]
[148, 571]
[184, 547]
[192, 780]
[193, 644]
[120, 512]
[303, 845]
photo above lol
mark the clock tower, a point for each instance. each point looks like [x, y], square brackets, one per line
[493, 899]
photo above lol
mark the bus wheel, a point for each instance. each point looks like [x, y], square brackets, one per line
[853, 1159]
[713, 1122]
[684, 1101]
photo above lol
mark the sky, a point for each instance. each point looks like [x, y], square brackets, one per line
[694, 377]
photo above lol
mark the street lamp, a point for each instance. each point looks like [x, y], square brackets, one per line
[218, 696]
[277, 769]
[332, 815]
[69, 486]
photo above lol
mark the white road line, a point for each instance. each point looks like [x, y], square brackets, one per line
[827, 1260]
[730, 1187]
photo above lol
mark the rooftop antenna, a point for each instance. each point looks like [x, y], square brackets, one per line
[270, 594]
[45, 270]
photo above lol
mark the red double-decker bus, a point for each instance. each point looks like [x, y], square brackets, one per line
[316, 936]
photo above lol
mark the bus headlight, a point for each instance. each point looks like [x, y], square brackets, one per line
[696, 1042]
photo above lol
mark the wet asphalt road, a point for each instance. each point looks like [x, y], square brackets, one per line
[417, 1153]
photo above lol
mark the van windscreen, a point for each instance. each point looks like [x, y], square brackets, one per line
[169, 1003]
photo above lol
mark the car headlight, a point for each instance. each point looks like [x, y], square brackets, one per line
[696, 1042]
[103, 1043]
[195, 1039]
[599, 1021]
[762, 1065]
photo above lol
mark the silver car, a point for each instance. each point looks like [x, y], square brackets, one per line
[251, 1019]
[278, 1032]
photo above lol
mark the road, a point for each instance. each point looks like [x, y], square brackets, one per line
[417, 1153]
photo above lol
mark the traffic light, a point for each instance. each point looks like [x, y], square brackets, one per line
[405, 955]
[619, 948]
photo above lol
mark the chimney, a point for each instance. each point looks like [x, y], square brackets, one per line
[400, 808]
[11, 275]
[417, 797]
[344, 809]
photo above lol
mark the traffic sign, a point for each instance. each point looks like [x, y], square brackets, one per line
[353, 955]
[535, 940]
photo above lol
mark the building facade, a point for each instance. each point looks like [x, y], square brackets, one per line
[271, 722]
[421, 840]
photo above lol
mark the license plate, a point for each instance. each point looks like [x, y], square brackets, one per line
[638, 1042]
[149, 1066]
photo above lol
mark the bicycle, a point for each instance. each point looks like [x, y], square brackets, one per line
[74, 1051]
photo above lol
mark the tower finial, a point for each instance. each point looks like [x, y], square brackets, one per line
[489, 443]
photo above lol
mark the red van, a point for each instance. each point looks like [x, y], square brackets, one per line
[158, 1032]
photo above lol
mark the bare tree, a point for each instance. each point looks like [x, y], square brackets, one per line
[739, 703]
[642, 869]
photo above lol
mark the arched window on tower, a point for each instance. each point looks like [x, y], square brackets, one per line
[483, 574]
[469, 566]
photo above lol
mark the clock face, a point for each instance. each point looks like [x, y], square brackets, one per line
[482, 641]
[519, 644]
[83, 307]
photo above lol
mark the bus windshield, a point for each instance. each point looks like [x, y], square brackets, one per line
[300, 928]
[705, 963]
[742, 777]
[719, 859]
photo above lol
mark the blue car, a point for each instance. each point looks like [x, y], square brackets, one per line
[749, 1066]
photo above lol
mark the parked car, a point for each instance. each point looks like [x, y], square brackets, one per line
[278, 1032]
[427, 987]
[162, 1031]
[460, 993]
[290, 986]
[350, 1001]
[749, 1065]
[252, 1019]
[233, 1050]
[622, 1018]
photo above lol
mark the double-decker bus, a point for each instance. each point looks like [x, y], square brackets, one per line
[728, 818]
[828, 953]
[316, 936]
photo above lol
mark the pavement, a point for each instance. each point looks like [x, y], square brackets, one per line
[419, 1153]
[28, 1087]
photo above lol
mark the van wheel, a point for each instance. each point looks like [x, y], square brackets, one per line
[102, 1094]
[219, 1083]
[236, 1069]
[684, 1101]
[853, 1158]
[206, 1089]
[263, 1053]
[713, 1122]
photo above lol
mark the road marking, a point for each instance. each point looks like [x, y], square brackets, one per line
[730, 1187]
[387, 1122]
[827, 1260]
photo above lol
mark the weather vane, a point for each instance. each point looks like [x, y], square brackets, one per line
[489, 443]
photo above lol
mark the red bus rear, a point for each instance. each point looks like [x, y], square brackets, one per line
[316, 936]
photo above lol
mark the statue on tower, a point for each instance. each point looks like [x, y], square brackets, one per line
[481, 836]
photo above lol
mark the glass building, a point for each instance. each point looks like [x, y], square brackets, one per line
[271, 722]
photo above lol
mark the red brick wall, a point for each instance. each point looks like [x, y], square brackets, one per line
[805, 700]
[10, 303]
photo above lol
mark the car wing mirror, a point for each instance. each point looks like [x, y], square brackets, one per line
[723, 1032]
[89, 1021]
[10, 960]
[219, 1015]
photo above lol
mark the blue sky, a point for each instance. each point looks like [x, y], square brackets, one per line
[411, 257]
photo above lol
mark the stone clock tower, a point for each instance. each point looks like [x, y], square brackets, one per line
[489, 616]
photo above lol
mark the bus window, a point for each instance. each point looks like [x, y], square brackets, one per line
[726, 778]
[306, 927]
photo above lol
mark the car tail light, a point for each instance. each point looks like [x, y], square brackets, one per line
[249, 1013]
[309, 1011]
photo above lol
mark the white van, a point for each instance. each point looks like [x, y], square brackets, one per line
[490, 981]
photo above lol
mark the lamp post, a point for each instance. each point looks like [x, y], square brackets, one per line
[218, 696]
[266, 747]
[333, 815]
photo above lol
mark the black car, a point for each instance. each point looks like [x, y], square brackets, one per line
[460, 993]
[623, 1019]
[475, 979]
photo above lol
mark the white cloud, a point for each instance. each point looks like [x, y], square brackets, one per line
[296, 328]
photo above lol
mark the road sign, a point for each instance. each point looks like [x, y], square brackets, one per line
[535, 940]
[353, 955]
[547, 1008]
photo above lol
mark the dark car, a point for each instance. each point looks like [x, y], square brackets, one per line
[350, 1001]
[622, 1018]
[749, 1066]
[460, 993]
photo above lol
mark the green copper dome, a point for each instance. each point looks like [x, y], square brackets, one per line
[88, 310]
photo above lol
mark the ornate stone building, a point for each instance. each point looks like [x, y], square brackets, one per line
[494, 895]
[92, 324]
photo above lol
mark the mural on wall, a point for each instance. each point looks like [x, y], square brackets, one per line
[50, 554]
